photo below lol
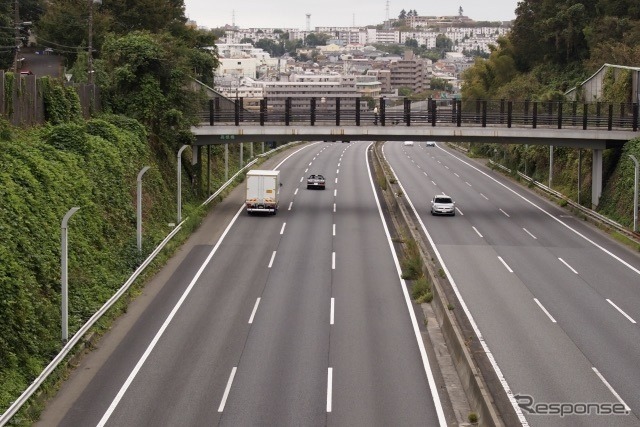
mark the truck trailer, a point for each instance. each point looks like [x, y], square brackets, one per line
[263, 189]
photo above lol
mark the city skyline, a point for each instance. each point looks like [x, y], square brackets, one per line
[287, 14]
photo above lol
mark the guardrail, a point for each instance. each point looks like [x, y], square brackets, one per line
[349, 111]
[24, 397]
[589, 212]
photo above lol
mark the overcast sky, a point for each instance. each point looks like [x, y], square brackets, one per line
[336, 13]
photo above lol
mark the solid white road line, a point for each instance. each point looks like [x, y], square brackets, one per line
[334, 229]
[333, 306]
[527, 231]
[506, 214]
[505, 264]
[295, 192]
[568, 266]
[484, 196]
[423, 352]
[253, 313]
[227, 389]
[545, 310]
[334, 208]
[459, 211]
[621, 312]
[164, 326]
[290, 206]
[273, 256]
[329, 388]
[284, 224]
[626, 407]
[333, 260]
[476, 230]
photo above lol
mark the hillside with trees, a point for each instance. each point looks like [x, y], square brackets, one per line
[144, 60]
[555, 45]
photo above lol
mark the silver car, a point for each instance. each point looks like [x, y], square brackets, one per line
[442, 204]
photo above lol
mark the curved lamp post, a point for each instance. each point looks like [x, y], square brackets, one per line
[635, 193]
[179, 183]
[63, 275]
[139, 208]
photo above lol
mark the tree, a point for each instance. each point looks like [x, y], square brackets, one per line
[411, 43]
[316, 39]
[403, 15]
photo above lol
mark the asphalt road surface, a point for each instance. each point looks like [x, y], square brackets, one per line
[295, 319]
[556, 300]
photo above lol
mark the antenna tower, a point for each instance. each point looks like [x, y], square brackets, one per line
[233, 18]
[386, 17]
[308, 22]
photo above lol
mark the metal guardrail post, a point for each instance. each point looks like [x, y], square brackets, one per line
[263, 110]
[287, 111]
[484, 113]
[509, 113]
[313, 111]
[478, 107]
[407, 111]
[584, 116]
[383, 112]
[434, 113]
[574, 112]
[338, 111]
[610, 119]
[526, 111]
[357, 111]
[237, 112]
[559, 114]
[459, 113]
[635, 117]
[211, 112]
[598, 114]
[535, 114]
[501, 111]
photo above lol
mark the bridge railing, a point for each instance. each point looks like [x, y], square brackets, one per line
[533, 114]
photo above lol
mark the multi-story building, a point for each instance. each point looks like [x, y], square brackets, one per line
[384, 77]
[409, 72]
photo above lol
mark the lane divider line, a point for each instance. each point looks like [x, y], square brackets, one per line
[476, 230]
[284, 224]
[255, 308]
[273, 256]
[505, 264]
[329, 388]
[227, 389]
[629, 318]
[333, 260]
[290, 206]
[506, 214]
[568, 266]
[333, 306]
[527, 231]
[626, 407]
[545, 310]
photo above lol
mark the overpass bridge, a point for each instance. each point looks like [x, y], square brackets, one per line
[594, 126]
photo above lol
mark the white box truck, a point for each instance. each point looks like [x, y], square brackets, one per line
[263, 189]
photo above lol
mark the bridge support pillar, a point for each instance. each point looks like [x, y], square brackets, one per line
[596, 177]
[241, 155]
[251, 151]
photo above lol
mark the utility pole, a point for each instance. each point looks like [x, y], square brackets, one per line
[90, 57]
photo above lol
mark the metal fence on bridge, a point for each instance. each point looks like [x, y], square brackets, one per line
[533, 114]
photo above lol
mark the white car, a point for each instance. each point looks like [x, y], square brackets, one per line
[408, 143]
[442, 204]
[431, 143]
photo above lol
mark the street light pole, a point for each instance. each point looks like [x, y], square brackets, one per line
[635, 192]
[64, 272]
[90, 57]
[139, 208]
[179, 183]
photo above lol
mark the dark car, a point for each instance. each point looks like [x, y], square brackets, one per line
[315, 181]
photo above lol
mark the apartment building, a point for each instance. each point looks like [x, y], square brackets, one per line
[409, 72]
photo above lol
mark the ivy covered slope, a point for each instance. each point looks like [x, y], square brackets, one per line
[43, 173]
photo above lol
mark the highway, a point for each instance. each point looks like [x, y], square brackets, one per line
[295, 319]
[556, 301]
